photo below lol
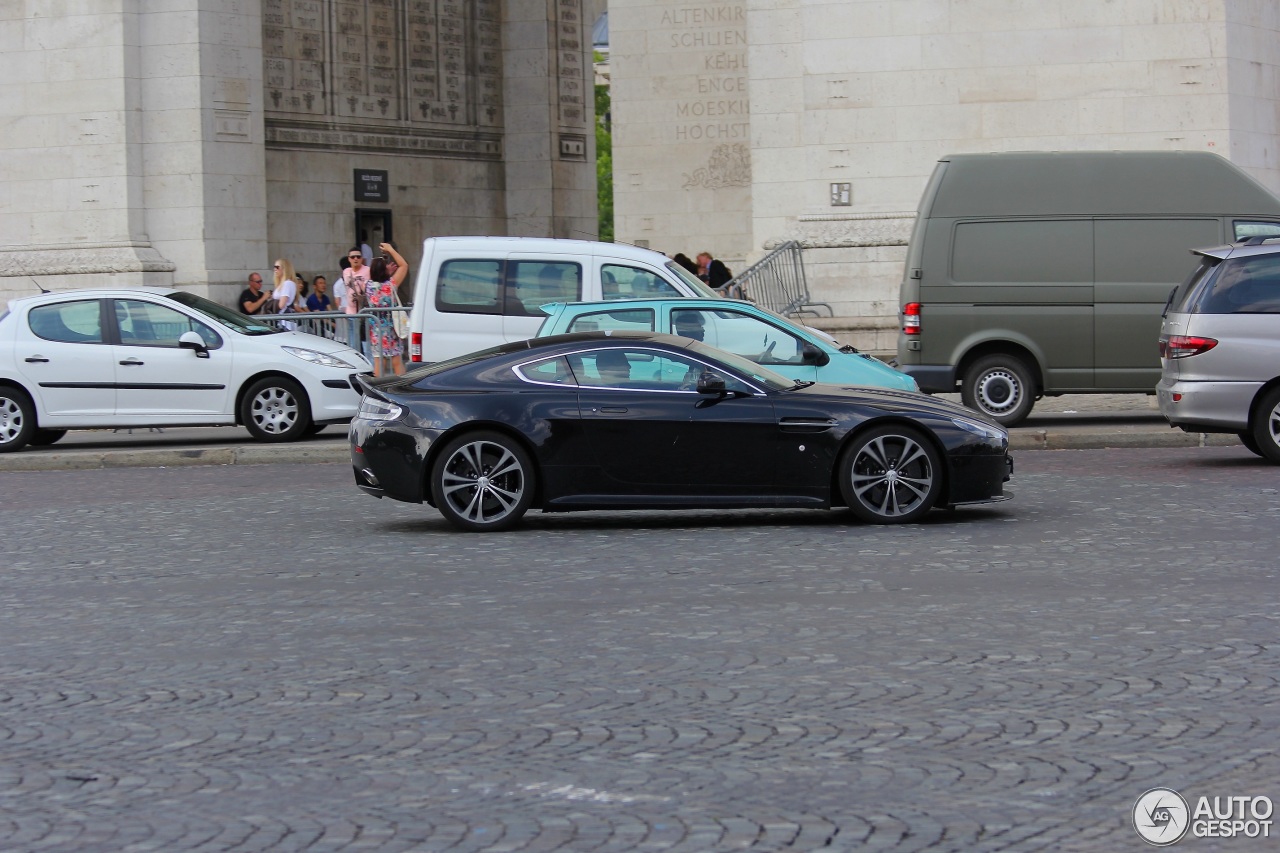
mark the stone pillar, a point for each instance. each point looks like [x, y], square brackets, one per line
[549, 139]
[681, 127]
[131, 147]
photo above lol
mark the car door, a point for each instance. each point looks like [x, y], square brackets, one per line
[156, 379]
[653, 434]
[61, 351]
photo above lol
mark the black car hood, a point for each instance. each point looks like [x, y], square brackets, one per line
[908, 402]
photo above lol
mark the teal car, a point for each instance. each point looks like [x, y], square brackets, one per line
[742, 328]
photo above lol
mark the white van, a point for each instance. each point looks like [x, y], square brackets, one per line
[476, 292]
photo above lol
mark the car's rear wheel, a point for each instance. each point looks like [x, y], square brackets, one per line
[1000, 387]
[890, 475]
[45, 437]
[275, 409]
[1265, 428]
[17, 419]
[482, 481]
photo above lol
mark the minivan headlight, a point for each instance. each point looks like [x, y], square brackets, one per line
[373, 409]
[320, 358]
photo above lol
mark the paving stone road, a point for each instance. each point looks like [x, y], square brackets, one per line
[262, 658]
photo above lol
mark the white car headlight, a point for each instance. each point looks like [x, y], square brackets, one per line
[373, 409]
[320, 358]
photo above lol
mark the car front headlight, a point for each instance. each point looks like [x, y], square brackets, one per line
[373, 409]
[320, 358]
[978, 428]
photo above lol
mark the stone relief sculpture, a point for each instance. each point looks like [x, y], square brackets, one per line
[729, 166]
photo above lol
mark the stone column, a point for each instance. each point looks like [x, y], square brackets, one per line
[681, 126]
[549, 139]
[133, 144]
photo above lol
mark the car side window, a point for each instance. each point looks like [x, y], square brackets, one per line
[148, 324]
[535, 283]
[738, 333]
[77, 322]
[552, 371]
[642, 369]
[631, 320]
[470, 287]
[1245, 229]
[623, 282]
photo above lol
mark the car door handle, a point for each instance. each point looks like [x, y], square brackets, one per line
[36, 359]
[132, 362]
[613, 410]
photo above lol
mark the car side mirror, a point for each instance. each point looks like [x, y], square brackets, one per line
[193, 341]
[711, 383]
[813, 354]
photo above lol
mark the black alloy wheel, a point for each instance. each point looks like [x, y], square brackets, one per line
[275, 408]
[482, 481]
[1000, 387]
[17, 419]
[890, 475]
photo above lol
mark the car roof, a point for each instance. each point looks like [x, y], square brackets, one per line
[1242, 249]
[547, 245]
[88, 292]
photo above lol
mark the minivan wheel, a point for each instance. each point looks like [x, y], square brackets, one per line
[1266, 426]
[1000, 387]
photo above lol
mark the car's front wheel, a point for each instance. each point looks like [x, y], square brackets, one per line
[275, 409]
[482, 481]
[890, 475]
[17, 419]
[1000, 387]
[1265, 428]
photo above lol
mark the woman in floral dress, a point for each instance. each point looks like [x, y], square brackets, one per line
[380, 292]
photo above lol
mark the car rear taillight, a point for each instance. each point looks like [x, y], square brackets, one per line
[415, 346]
[1182, 346]
[911, 318]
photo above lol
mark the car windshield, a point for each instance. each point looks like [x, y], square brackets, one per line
[763, 376]
[233, 320]
[698, 285]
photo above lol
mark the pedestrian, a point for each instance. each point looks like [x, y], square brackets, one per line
[286, 286]
[716, 274]
[319, 299]
[354, 279]
[380, 294]
[685, 261]
[300, 301]
[253, 298]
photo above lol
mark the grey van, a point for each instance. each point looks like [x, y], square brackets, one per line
[1220, 347]
[1045, 273]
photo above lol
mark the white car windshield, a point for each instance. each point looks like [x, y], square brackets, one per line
[232, 319]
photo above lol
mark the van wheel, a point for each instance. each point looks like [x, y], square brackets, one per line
[1000, 387]
[1265, 428]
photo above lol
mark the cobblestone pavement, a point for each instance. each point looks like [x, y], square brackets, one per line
[262, 658]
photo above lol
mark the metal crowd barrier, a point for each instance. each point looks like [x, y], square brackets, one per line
[349, 329]
[777, 282]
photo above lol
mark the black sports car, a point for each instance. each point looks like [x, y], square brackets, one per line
[618, 420]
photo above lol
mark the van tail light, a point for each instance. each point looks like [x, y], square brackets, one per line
[1183, 346]
[415, 346]
[911, 318]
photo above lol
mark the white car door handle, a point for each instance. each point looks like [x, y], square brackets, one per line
[36, 359]
[132, 362]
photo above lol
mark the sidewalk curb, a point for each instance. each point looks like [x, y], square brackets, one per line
[339, 454]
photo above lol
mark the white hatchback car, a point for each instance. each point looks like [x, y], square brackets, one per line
[155, 357]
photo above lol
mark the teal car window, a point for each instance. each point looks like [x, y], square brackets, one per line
[738, 333]
[631, 320]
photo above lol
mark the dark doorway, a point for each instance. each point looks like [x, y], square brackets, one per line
[373, 226]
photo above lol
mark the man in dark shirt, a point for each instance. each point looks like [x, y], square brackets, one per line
[253, 297]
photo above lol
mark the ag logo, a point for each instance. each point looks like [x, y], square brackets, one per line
[1161, 817]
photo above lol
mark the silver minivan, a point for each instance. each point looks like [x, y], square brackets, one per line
[1220, 346]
